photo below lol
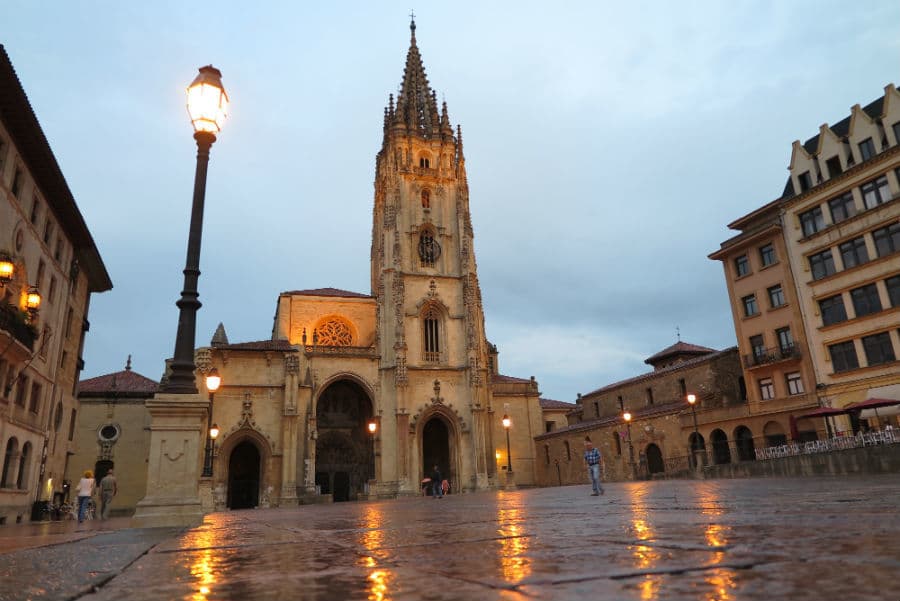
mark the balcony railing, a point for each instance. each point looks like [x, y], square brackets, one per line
[764, 356]
[11, 321]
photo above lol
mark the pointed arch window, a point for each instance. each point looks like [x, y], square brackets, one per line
[429, 248]
[431, 335]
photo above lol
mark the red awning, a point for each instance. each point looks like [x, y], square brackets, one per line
[871, 404]
[824, 412]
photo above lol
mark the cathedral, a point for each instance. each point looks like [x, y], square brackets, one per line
[361, 395]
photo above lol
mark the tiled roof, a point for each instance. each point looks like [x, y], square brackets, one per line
[679, 348]
[665, 370]
[502, 378]
[328, 292]
[258, 345]
[551, 404]
[121, 382]
[637, 414]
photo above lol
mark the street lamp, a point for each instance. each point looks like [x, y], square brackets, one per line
[213, 381]
[7, 269]
[33, 302]
[627, 417]
[372, 428]
[207, 105]
[692, 401]
[506, 424]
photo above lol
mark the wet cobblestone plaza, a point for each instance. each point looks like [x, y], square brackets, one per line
[805, 538]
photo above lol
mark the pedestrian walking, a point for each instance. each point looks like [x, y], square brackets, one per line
[85, 492]
[108, 489]
[593, 461]
[436, 479]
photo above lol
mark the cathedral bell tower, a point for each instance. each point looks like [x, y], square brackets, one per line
[431, 339]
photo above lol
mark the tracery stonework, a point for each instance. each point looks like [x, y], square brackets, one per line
[334, 332]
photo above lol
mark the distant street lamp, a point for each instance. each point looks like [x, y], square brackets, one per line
[373, 427]
[695, 447]
[506, 425]
[213, 381]
[207, 105]
[627, 417]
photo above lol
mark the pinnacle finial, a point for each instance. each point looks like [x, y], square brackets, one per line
[412, 25]
[128, 364]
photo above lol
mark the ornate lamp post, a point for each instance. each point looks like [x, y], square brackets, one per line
[213, 381]
[506, 425]
[207, 105]
[692, 401]
[373, 427]
[627, 417]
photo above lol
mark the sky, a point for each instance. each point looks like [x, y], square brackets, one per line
[608, 145]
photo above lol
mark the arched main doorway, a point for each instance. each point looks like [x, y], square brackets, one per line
[655, 463]
[345, 459]
[243, 476]
[436, 448]
[721, 452]
[743, 438]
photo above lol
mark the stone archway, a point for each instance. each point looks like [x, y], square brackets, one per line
[721, 452]
[436, 448]
[743, 439]
[244, 469]
[697, 445]
[345, 460]
[655, 463]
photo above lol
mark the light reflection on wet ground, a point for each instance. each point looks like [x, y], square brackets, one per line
[709, 541]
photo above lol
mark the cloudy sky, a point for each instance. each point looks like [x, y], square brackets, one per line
[607, 146]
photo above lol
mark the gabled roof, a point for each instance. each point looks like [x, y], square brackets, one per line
[258, 345]
[502, 378]
[122, 383]
[639, 413]
[25, 129]
[679, 348]
[551, 404]
[327, 292]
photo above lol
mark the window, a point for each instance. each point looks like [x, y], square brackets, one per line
[805, 181]
[843, 207]
[596, 408]
[24, 460]
[35, 209]
[878, 348]
[429, 249]
[875, 192]
[865, 300]
[750, 305]
[9, 458]
[776, 296]
[767, 255]
[742, 266]
[834, 166]
[57, 254]
[843, 356]
[21, 390]
[70, 314]
[766, 389]
[424, 163]
[549, 427]
[683, 387]
[431, 324]
[896, 128]
[757, 346]
[821, 264]
[51, 292]
[887, 240]
[72, 416]
[867, 149]
[794, 383]
[649, 396]
[546, 446]
[40, 274]
[18, 182]
[812, 221]
[893, 290]
[832, 310]
[35, 404]
[426, 199]
[785, 340]
[48, 231]
[854, 252]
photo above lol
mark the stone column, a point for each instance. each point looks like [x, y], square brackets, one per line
[407, 485]
[289, 432]
[177, 439]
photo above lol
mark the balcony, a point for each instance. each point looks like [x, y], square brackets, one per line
[764, 356]
[13, 325]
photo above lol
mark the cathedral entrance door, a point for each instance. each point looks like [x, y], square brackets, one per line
[436, 448]
[243, 476]
[344, 460]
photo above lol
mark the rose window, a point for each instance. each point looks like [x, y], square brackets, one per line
[333, 333]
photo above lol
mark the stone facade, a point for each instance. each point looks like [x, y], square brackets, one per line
[43, 235]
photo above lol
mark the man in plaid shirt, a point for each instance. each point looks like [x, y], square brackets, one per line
[593, 461]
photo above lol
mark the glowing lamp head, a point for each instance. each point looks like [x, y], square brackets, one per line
[506, 422]
[692, 398]
[33, 300]
[372, 427]
[7, 269]
[213, 380]
[207, 102]
[498, 455]
[626, 416]
[214, 431]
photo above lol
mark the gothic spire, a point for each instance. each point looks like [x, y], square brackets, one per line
[416, 103]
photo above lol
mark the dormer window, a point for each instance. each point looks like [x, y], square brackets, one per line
[834, 166]
[867, 149]
[805, 181]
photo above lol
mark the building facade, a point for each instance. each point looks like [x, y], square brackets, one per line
[836, 231]
[47, 247]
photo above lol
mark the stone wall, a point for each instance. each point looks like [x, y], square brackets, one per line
[865, 460]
